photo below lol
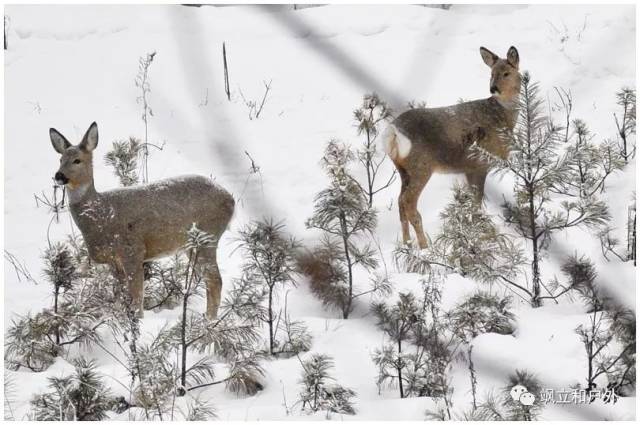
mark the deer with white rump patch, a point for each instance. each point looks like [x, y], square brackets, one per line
[126, 227]
[424, 141]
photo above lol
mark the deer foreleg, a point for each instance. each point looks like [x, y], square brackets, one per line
[130, 273]
[476, 180]
[213, 280]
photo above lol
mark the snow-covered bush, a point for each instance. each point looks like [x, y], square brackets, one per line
[319, 389]
[82, 396]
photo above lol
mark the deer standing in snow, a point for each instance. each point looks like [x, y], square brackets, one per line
[424, 141]
[126, 227]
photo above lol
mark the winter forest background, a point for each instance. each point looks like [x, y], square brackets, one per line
[325, 313]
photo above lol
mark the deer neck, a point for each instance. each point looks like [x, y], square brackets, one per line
[79, 195]
[510, 106]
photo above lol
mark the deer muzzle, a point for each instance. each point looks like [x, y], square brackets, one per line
[60, 178]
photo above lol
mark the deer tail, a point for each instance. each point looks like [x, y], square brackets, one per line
[394, 143]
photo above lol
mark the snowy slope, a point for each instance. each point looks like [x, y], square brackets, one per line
[70, 65]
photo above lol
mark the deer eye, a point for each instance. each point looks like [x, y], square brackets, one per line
[506, 74]
[77, 161]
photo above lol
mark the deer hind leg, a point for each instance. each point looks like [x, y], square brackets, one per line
[212, 278]
[409, 199]
[404, 221]
[476, 180]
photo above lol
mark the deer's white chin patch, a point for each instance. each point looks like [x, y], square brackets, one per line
[76, 192]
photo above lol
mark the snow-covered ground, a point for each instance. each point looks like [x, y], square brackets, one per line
[67, 66]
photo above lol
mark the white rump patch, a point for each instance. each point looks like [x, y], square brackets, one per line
[394, 143]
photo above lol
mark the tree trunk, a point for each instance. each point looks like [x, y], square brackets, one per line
[345, 240]
[535, 264]
[400, 386]
[55, 311]
[183, 345]
[474, 380]
[370, 176]
[271, 342]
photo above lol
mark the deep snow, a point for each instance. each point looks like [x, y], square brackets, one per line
[70, 65]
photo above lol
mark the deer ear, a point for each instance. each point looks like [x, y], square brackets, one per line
[60, 144]
[513, 57]
[90, 139]
[488, 56]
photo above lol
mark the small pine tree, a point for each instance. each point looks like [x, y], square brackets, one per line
[469, 243]
[234, 333]
[480, 313]
[82, 396]
[342, 213]
[631, 231]
[626, 124]
[607, 323]
[80, 308]
[588, 164]
[270, 264]
[507, 404]
[61, 272]
[538, 164]
[319, 390]
[368, 117]
[621, 369]
[515, 409]
[123, 157]
[398, 322]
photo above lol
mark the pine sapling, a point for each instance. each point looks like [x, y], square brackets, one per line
[320, 391]
[368, 117]
[480, 313]
[397, 322]
[607, 323]
[269, 264]
[342, 213]
[469, 243]
[626, 123]
[539, 165]
[61, 272]
[78, 311]
[82, 396]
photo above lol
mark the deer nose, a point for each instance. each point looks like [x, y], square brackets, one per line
[60, 178]
[494, 89]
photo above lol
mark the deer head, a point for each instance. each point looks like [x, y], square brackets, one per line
[76, 162]
[505, 78]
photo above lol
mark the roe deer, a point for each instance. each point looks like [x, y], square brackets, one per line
[424, 141]
[126, 227]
